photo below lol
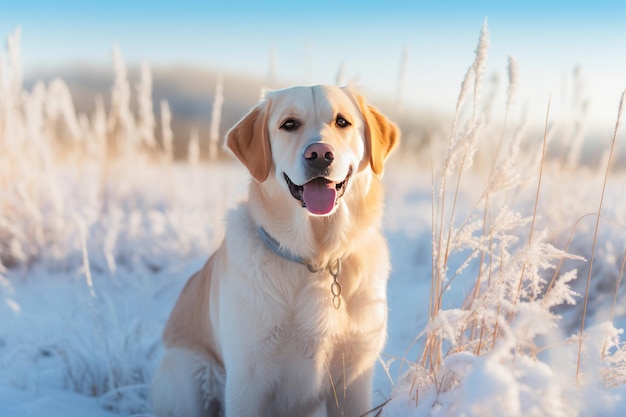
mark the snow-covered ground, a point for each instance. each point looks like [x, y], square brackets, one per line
[99, 231]
[74, 343]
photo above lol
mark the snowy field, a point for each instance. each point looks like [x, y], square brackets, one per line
[502, 243]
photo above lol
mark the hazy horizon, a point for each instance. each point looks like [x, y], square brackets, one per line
[308, 43]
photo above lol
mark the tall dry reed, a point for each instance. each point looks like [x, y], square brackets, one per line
[495, 243]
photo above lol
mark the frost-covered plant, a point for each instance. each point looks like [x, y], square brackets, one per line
[166, 131]
[121, 124]
[96, 197]
[216, 115]
[57, 165]
[488, 354]
[146, 120]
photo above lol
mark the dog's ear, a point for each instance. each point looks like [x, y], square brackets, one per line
[381, 135]
[249, 141]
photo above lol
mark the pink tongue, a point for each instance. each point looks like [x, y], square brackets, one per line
[319, 196]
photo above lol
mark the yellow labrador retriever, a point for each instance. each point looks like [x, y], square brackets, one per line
[288, 316]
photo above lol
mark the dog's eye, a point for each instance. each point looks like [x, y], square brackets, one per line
[290, 125]
[341, 121]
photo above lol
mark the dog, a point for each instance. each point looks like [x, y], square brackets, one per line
[288, 316]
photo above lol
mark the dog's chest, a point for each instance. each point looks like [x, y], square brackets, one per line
[301, 349]
[310, 328]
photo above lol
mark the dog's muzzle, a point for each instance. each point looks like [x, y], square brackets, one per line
[319, 195]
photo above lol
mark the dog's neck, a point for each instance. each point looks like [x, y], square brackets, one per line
[333, 268]
[274, 246]
[320, 240]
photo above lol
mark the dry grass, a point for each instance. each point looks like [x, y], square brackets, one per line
[510, 302]
[595, 236]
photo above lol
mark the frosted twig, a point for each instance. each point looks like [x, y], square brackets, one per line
[146, 123]
[166, 130]
[216, 114]
[595, 233]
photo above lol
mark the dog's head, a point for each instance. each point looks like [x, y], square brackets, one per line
[313, 140]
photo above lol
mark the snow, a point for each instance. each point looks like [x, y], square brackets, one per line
[62, 340]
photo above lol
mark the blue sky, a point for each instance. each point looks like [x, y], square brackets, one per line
[310, 40]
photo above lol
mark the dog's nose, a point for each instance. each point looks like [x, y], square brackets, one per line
[319, 154]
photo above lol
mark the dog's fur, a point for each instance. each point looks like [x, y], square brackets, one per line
[255, 334]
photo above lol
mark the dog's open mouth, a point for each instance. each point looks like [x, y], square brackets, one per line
[319, 195]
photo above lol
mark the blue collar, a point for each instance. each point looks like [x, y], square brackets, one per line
[334, 269]
[273, 245]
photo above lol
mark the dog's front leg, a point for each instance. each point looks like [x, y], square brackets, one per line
[357, 398]
[245, 397]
